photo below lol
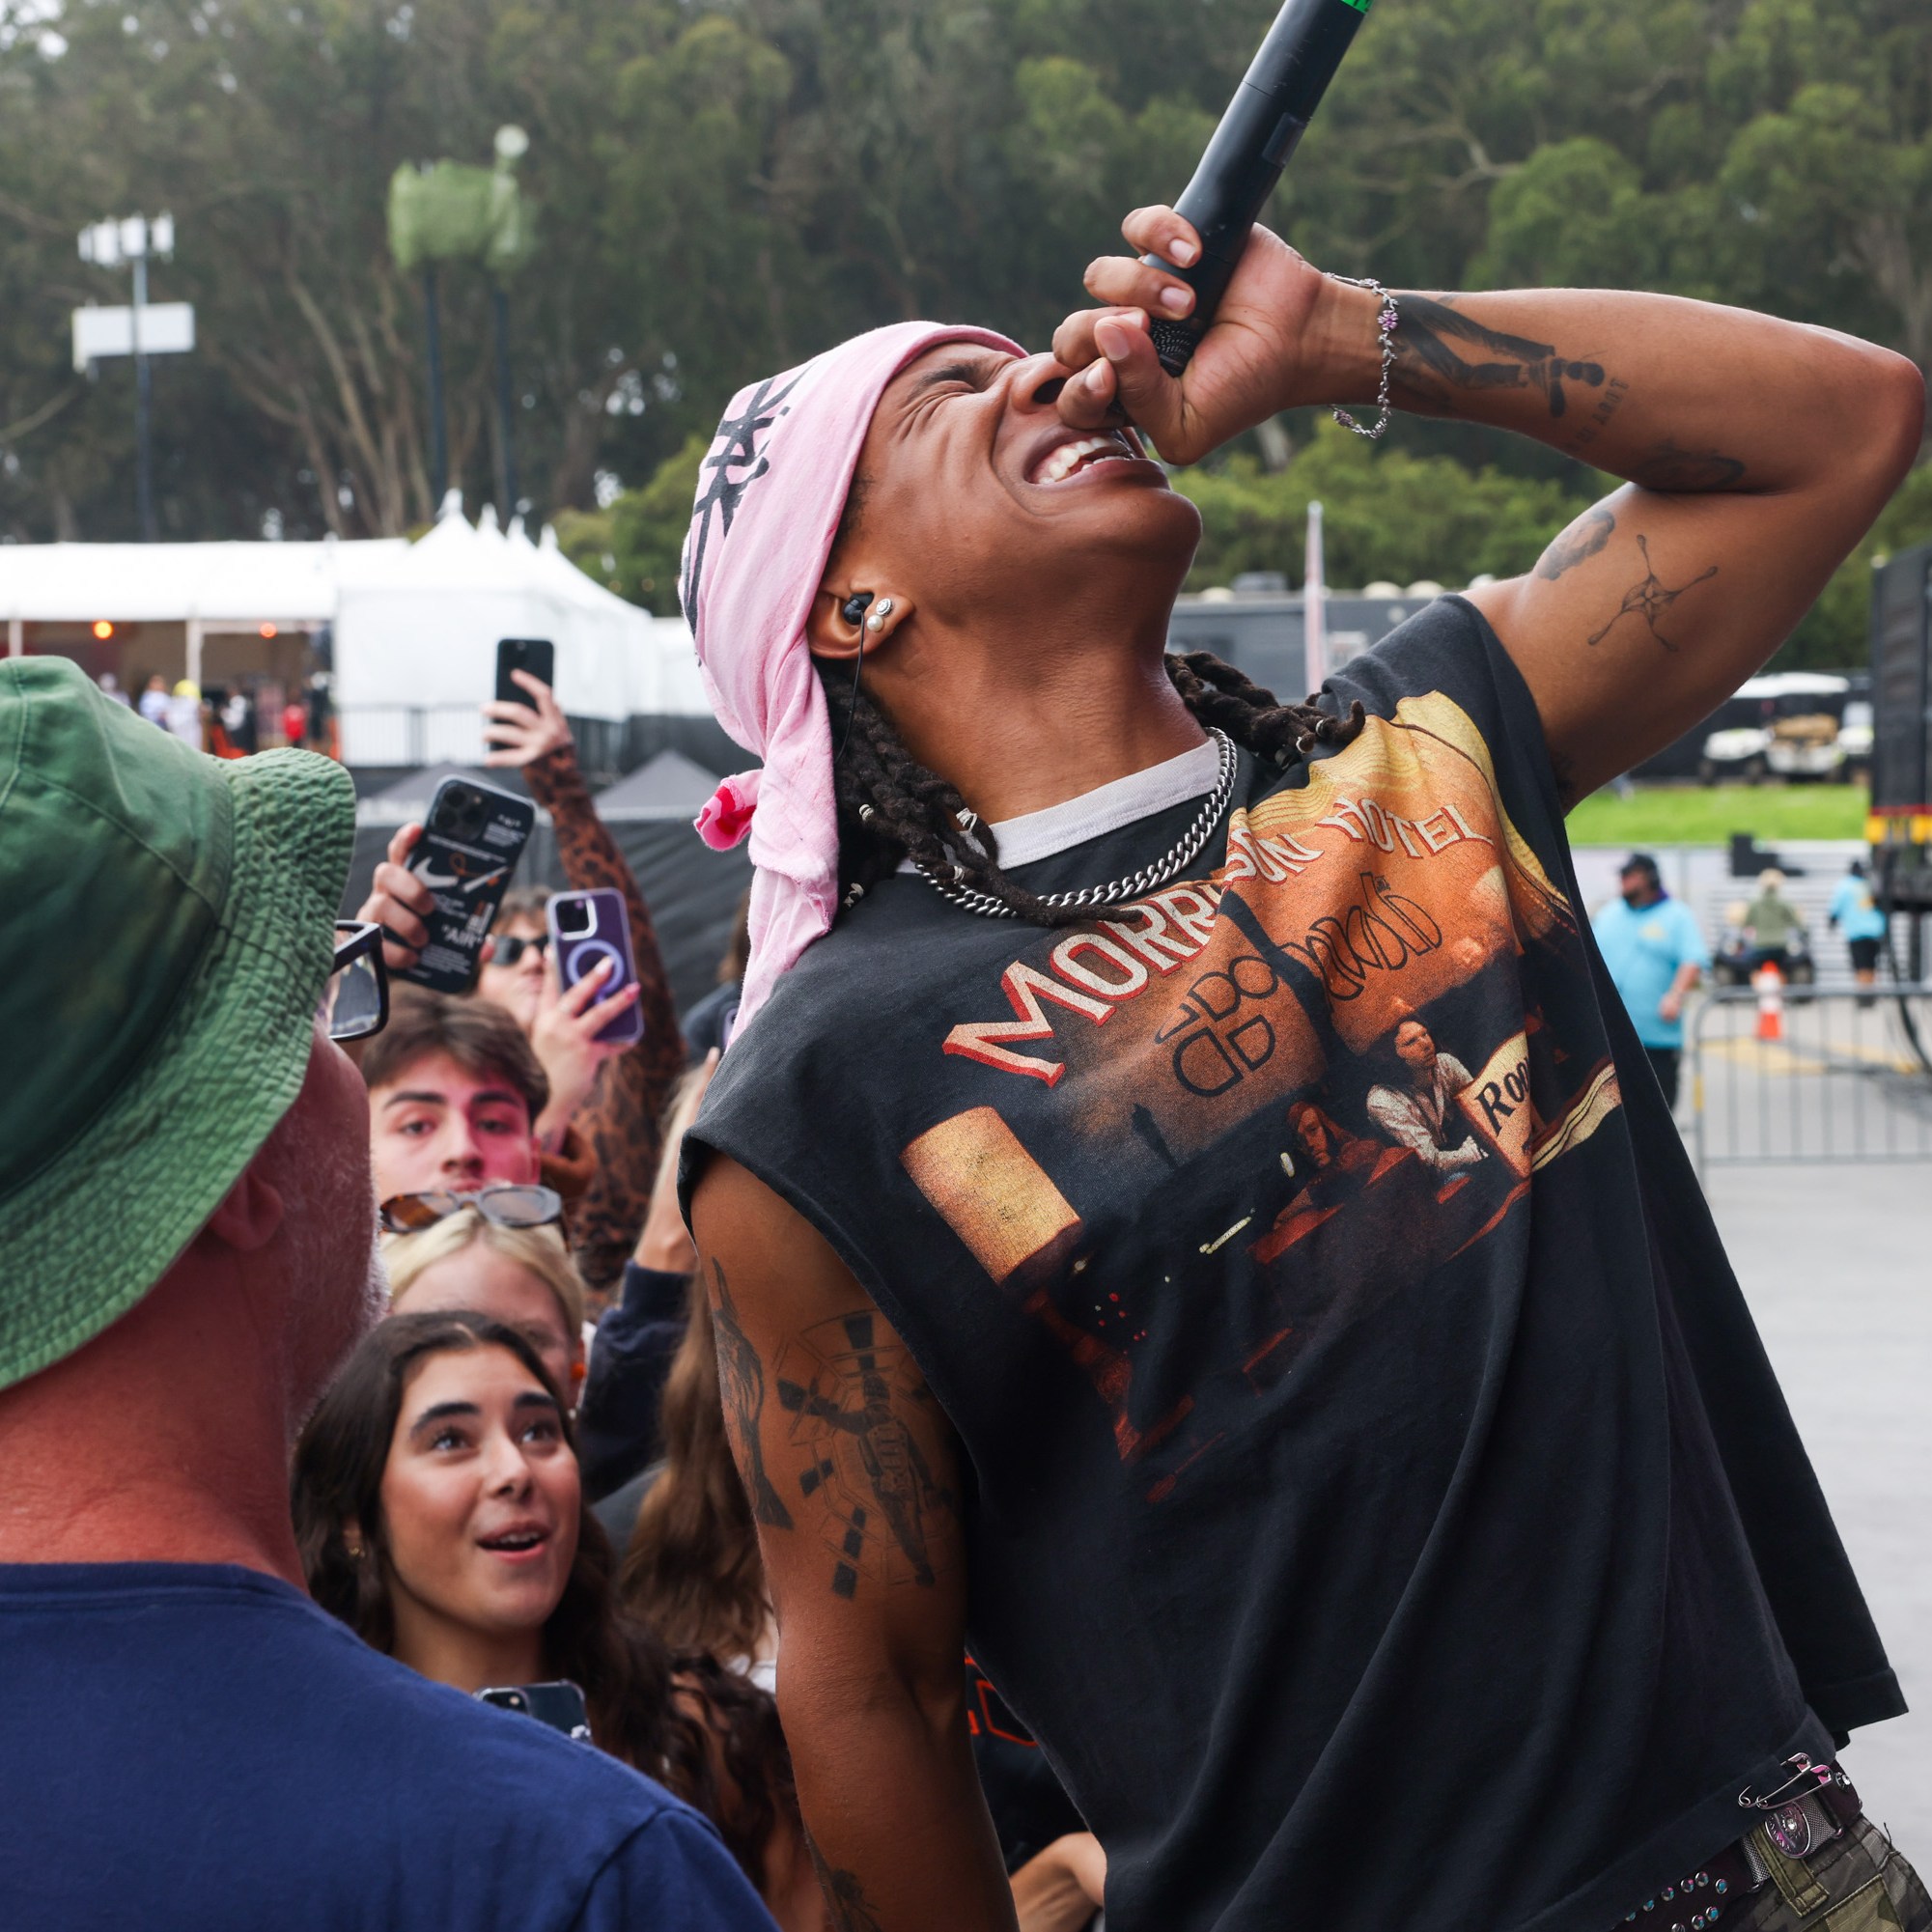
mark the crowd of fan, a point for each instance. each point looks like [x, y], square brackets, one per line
[527, 1173]
[521, 1473]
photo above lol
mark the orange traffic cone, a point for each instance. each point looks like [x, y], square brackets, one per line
[1769, 985]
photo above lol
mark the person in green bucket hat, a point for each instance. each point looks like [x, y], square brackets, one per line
[187, 1248]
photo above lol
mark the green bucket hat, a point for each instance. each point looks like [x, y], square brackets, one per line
[166, 928]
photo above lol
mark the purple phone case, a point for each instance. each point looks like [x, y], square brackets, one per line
[607, 938]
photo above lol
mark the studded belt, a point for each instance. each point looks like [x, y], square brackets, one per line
[1797, 1817]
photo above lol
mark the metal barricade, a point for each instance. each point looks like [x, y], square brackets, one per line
[410, 736]
[1845, 1076]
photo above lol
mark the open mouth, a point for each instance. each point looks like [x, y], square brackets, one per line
[1065, 460]
[516, 1542]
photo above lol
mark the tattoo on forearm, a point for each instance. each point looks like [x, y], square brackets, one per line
[856, 1400]
[1664, 466]
[741, 1380]
[1440, 352]
[1585, 537]
[850, 1910]
[1650, 599]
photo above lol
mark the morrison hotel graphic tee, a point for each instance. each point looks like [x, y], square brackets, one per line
[1378, 1502]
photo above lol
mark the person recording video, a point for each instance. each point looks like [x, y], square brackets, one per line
[1453, 1567]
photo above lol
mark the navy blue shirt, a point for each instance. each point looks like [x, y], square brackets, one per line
[199, 1747]
[618, 1419]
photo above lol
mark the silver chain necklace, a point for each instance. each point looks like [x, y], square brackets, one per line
[1160, 873]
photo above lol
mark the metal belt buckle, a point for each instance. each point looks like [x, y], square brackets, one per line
[1788, 1827]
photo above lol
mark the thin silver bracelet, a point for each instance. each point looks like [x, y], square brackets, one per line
[1386, 320]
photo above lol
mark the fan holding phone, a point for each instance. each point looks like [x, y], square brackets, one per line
[589, 990]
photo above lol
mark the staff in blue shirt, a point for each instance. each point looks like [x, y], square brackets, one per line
[1857, 914]
[1656, 955]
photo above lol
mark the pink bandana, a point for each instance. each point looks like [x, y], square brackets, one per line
[770, 497]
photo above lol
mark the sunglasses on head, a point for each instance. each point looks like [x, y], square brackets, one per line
[505, 952]
[506, 1205]
[355, 1001]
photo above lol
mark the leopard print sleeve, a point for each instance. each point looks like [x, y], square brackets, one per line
[621, 1122]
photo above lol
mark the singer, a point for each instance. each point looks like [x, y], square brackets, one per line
[1186, 1210]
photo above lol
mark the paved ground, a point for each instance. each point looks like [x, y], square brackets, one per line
[1836, 1262]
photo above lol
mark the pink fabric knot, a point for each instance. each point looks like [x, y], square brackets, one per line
[726, 817]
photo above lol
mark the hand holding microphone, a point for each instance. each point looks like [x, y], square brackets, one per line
[1254, 363]
[1205, 263]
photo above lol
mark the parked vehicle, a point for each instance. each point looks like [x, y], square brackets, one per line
[1794, 733]
[1855, 740]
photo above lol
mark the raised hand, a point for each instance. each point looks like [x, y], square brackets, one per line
[1257, 357]
[521, 734]
[565, 1042]
[399, 902]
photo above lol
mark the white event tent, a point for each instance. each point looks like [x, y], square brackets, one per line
[415, 625]
[205, 587]
[419, 631]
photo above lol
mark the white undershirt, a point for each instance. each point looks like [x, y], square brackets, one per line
[1105, 808]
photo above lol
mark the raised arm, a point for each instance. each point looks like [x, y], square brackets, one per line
[1756, 451]
[853, 1477]
[620, 1120]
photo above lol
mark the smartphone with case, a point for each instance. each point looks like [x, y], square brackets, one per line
[560, 1705]
[535, 655]
[587, 928]
[471, 841]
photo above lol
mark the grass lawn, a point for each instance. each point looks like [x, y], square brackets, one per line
[1708, 814]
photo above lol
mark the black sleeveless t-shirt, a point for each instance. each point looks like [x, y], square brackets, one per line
[1378, 1504]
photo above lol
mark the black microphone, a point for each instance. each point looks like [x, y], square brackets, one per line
[1269, 110]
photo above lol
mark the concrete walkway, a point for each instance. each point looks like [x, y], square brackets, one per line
[1837, 1263]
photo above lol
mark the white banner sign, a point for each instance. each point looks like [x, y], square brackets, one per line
[167, 329]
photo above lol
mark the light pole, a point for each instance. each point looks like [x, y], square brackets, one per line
[507, 249]
[128, 243]
[449, 211]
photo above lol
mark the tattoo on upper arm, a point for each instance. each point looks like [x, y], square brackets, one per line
[1585, 537]
[856, 1399]
[1664, 466]
[741, 1380]
[1607, 405]
[1650, 599]
[850, 1910]
[1439, 351]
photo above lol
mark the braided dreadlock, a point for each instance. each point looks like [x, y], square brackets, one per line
[890, 807]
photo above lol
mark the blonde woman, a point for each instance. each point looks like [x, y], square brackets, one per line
[517, 1273]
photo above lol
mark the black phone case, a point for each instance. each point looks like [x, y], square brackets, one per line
[608, 937]
[467, 875]
[559, 1705]
[535, 655]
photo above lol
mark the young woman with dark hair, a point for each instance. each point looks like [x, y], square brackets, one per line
[1456, 1564]
[439, 1515]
